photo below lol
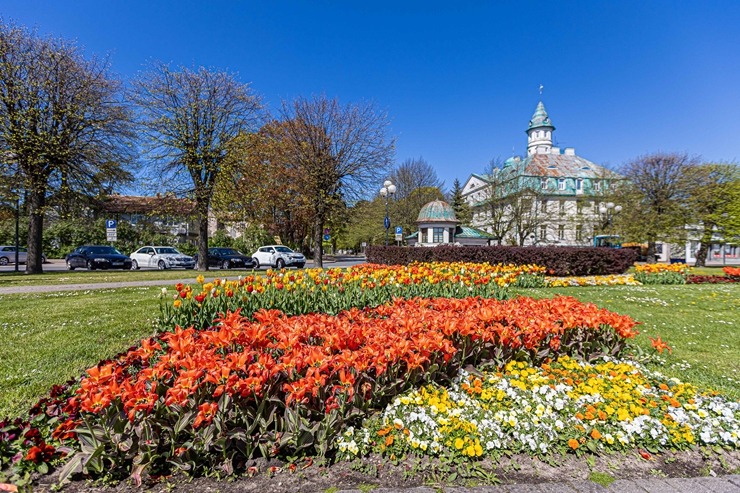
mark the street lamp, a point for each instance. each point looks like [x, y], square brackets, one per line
[608, 211]
[388, 189]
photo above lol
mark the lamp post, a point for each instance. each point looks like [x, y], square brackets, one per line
[17, 224]
[388, 189]
[608, 211]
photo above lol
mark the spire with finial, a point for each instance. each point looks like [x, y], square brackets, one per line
[539, 131]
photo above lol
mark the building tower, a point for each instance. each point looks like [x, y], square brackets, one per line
[539, 132]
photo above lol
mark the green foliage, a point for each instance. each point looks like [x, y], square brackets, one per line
[458, 203]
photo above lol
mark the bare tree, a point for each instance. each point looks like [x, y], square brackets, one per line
[655, 196]
[188, 117]
[61, 121]
[416, 184]
[341, 153]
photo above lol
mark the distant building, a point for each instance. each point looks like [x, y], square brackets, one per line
[550, 197]
[438, 226]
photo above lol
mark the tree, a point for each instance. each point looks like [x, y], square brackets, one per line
[714, 195]
[458, 203]
[416, 184]
[339, 154]
[189, 117]
[62, 123]
[655, 193]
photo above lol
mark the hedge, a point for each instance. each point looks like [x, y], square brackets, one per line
[559, 261]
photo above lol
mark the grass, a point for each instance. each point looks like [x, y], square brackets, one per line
[51, 337]
[701, 323]
[13, 279]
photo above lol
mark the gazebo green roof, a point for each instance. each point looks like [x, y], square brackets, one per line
[438, 211]
[468, 232]
[540, 118]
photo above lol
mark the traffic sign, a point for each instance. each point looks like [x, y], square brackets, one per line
[111, 235]
[111, 224]
[387, 222]
[327, 237]
[399, 230]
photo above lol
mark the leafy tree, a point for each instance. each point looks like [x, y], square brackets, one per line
[417, 184]
[655, 194]
[62, 124]
[713, 203]
[458, 203]
[337, 155]
[189, 117]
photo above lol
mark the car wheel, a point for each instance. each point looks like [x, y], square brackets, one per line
[280, 263]
[3, 260]
[134, 265]
[225, 265]
[43, 259]
[256, 263]
[69, 265]
[161, 265]
[90, 265]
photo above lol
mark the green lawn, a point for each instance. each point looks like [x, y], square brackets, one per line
[48, 338]
[11, 279]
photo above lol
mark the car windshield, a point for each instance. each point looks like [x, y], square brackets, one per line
[229, 251]
[103, 250]
[283, 249]
[163, 250]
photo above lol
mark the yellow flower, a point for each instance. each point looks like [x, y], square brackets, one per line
[459, 443]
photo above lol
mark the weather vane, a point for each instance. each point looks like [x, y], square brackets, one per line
[541, 88]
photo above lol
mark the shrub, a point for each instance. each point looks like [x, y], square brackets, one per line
[558, 261]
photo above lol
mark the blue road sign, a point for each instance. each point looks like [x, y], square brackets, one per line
[111, 223]
[387, 222]
[399, 230]
[327, 237]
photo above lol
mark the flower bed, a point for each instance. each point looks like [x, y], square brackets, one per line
[334, 290]
[662, 273]
[562, 406]
[732, 272]
[613, 280]
[279, 385]
[698, 279]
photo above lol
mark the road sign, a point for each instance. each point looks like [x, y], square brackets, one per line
[111, 224]
[111, 235]
[327, 237]
[387, 222]
[399, 230]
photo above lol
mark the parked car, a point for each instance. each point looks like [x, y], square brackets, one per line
[278, 256]
[94, 257]
[228, 258]
[7, 255]
[160, 257]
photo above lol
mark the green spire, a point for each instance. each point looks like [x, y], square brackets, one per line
[540, 118]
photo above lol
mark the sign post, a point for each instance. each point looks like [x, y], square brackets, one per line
[399, 233]
[111, 231]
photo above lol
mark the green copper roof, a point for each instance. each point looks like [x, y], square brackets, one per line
[540, 118]
[437, 211]
[468, 232]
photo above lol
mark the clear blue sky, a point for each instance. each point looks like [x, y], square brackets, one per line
[459, 82]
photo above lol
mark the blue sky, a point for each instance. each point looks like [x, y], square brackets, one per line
[459, 80]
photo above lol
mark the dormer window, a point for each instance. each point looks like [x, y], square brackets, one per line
[597, 185]
[579, 184]
[561, 183]
[543, 184]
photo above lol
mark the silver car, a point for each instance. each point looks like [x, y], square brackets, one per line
[7, 255]
[160, 257]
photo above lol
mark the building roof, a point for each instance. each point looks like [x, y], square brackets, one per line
[437, 211]
[562, 165]
[468, 232]
[158, 205]
[540, 118]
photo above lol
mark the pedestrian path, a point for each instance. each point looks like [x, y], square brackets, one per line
[722, 484]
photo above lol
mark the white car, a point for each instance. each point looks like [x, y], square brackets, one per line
[160, 257]
[278, 256]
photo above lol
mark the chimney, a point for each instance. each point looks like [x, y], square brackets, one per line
[570, 151]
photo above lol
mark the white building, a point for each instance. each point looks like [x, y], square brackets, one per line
[550, 197]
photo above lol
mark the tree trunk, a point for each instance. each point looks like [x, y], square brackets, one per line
[318, 236]
[704, 244]
[650, 255]
[202, 208]
[37, 200]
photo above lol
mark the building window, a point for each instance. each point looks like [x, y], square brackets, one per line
[543, 183]
[579, 232]
[561, 209]
[438, 235]
[543, 206]
[597, 185]
[543, 232]
[579, 184]
[561, 183]
[561, 232]
[424, 238]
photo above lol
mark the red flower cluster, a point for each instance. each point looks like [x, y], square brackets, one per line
[322, 360]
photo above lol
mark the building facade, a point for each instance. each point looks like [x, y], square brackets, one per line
[550, 197]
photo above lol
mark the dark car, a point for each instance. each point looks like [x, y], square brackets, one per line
[228, 258]
[97, 257]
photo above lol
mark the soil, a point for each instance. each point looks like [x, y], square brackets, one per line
[379, 472]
